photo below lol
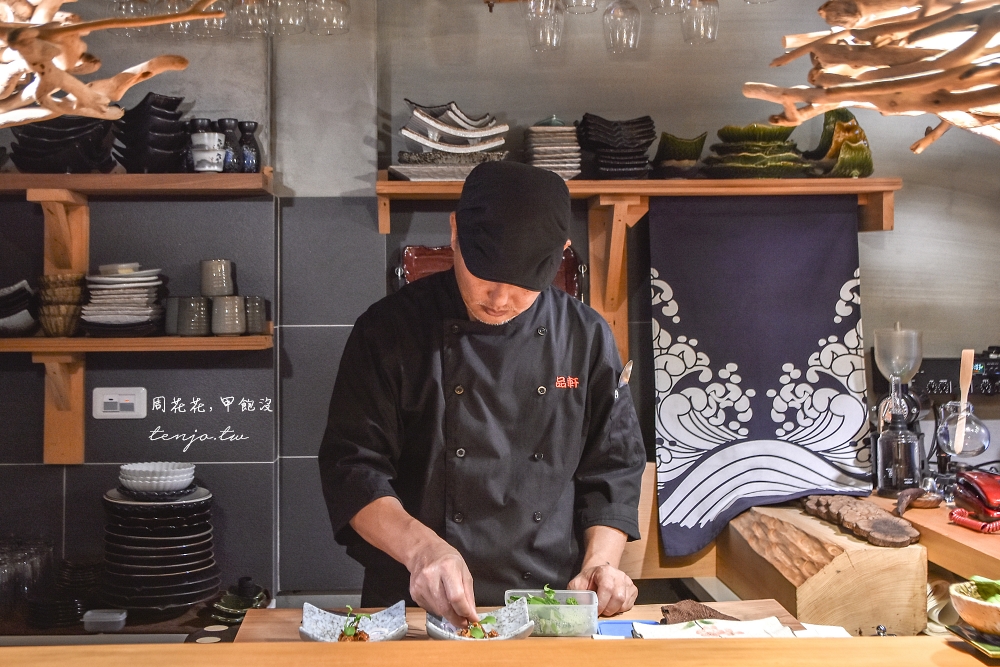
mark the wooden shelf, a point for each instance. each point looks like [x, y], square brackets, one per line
[617, 205]
[40, 345]
[66, 248]
[664, 188]
[144, 185]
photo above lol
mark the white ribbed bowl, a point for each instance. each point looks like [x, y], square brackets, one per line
[158, 485]
[152, 477]
[157, 468]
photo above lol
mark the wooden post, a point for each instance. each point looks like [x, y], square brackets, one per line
[609, 218]
[67, 250]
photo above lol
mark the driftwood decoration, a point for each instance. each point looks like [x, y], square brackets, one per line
[42, 52]
[899, 57]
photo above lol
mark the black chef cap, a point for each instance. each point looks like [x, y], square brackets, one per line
[513, 221]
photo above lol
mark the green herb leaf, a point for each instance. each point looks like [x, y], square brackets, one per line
[476, 632]
[349, 610]
[349, 630]
[571, 601]
[989, 590]
[488, 619]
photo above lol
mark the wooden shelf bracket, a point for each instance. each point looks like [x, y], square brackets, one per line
[67, 250]
[65, 404]
[609, 218]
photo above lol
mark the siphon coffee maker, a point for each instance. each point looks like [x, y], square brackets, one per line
[898, 454]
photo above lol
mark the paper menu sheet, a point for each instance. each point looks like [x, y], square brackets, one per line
[762, 628]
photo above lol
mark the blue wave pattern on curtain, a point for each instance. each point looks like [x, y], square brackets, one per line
[758, 359]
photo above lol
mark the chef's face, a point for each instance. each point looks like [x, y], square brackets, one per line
[488, 302]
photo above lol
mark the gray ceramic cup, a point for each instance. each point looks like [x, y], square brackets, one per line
[193, 316]
[170, 319]
[217, 277]
[256, 315]
[228, 316]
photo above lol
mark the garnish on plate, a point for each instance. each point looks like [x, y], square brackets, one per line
[351, 631]
[477, 631]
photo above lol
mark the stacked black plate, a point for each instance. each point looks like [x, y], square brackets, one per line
[153, 138]
[77, 579]
[158, 555]
[17, 310]
[619, 145]
[55, 612]
[63, 145]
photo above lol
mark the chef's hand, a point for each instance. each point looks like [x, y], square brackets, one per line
[615, 591]
[603, 546]
[440, 582]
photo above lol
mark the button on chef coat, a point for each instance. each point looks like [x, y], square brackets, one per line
[549, 450]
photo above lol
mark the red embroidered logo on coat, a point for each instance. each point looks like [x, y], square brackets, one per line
[567, 382]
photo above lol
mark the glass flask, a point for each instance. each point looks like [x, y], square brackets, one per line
[952, 418]
[899, 459]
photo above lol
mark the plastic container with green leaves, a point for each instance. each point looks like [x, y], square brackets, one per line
[559, 613]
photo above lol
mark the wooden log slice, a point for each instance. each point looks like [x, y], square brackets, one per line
[888, 531]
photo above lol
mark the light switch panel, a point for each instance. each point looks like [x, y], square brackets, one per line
[119, 403]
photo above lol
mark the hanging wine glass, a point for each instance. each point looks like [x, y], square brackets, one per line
[130, 9]
[544, 20]
[217, 27]
[621, 26]
[667, 6]
[329, 17]
[700, 21]
[251, 18]
[581, 6]
[288, 17]
[178, 29]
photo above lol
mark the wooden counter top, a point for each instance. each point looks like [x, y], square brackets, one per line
[960, 550]
[855, 652]
[282, 625]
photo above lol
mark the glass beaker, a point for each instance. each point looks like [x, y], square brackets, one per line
[288, 17]
[700, 21]
[251, 18]
[952, 417]
[544, 20]
[621, 27]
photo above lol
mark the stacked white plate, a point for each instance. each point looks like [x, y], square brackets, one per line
[156, 476]
[124, 299]
[448, 129]
[553, 147]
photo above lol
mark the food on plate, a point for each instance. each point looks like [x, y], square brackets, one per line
[477, 631]
[989, 590]
[351, 631]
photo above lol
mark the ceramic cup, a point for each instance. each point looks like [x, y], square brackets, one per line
[208, 159]
[228, 316]
[170, 318]
[217, 277]
[193, 316]
[208, 140]
[256, 315]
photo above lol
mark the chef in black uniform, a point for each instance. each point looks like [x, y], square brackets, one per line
[478, 439]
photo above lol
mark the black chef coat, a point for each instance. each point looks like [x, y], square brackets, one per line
[506, 440]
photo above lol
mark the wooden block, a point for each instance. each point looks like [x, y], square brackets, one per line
[822, 574]
[643, 559]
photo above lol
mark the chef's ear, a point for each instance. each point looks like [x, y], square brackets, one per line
[454, 232]
[568, 244]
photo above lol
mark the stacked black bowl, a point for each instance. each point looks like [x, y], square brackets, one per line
[153, 137]
[619, 145]
[63, 145]
[158, 555]
[55, 611]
